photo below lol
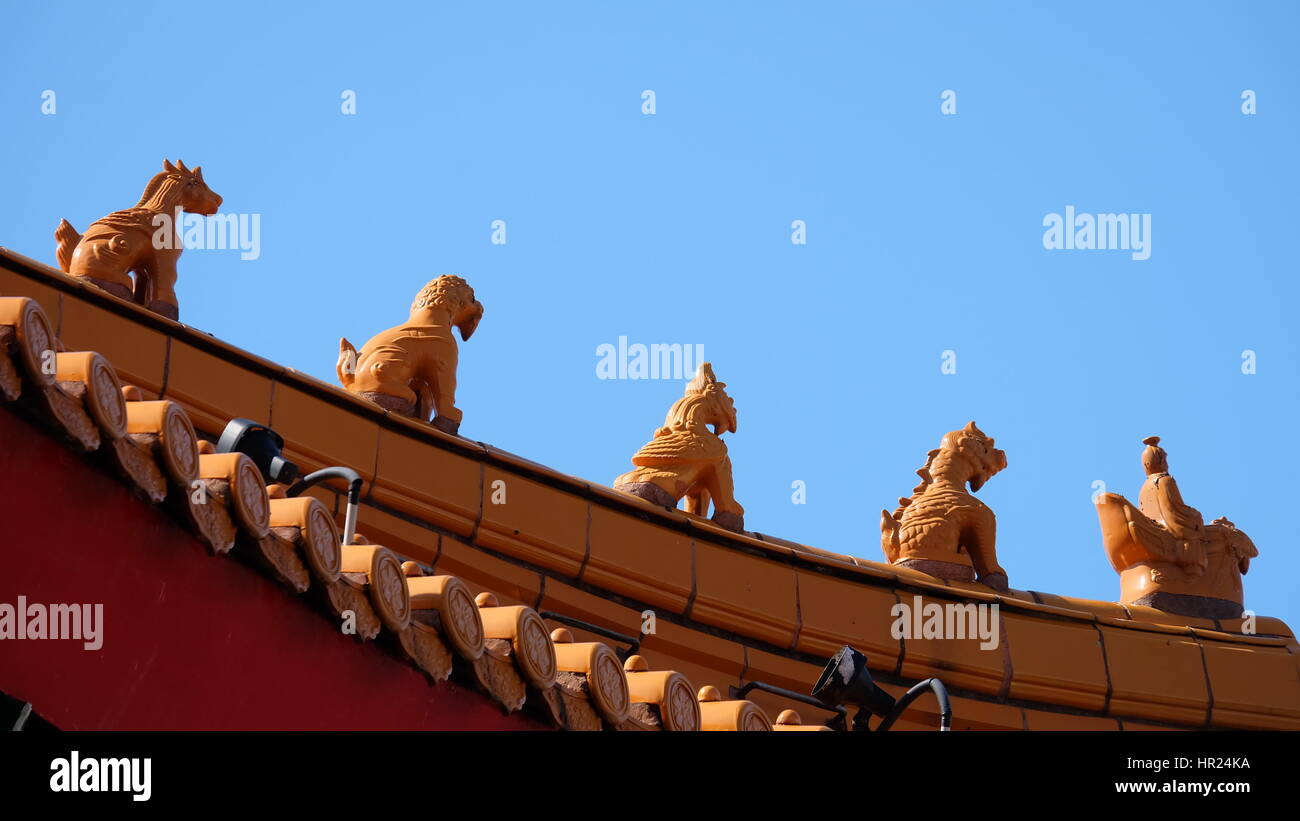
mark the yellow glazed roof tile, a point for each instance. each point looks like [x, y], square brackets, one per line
[1174, 689]
[745, 594]
[1056, 661]
[731, 606]
[644, 561]
[532, 521]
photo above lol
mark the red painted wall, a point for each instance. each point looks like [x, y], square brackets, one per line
[190, 641]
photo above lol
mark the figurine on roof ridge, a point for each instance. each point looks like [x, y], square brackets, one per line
[410, 369]
[684, 459]
[133, 242]
[1166, 555]
[942, 529]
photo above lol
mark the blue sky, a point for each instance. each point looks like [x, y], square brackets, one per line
[924, 230]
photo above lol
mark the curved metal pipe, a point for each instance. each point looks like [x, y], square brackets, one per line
[940, 694]
[354, 481]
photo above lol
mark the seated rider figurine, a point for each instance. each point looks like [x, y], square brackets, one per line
[1160, 500]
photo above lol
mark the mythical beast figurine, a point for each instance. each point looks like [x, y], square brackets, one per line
[1167, 557]
[134, 241]
[942, 529]
[685, 459]
[411, 369]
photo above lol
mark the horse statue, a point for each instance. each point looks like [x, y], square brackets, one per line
[411, 369]
[1166, 555]
[144, 240]
[942, 529]
[686, 460]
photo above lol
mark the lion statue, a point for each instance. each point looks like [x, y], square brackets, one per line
[943, 530]
[684, 459]
[135, 242]
[411, 369]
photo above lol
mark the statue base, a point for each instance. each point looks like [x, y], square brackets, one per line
[1181, 604]
[649, 491]
[165, 309]
[656, 495]
[940, 570]
[734, 522]
[115, 288]
[395, 404]
[446, 425]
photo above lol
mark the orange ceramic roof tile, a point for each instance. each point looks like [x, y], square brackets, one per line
[1264, 626]
[973, 590]
[318, 433]
[598, 610]
[431, 483]
[540, 472]
[960, 663]
[699, 656]
[517, 584]
[213, 390]
[792, 674]
[532, 521]
[1112, 610]
[745, 594]
[1252, 686]
[666, 694]
[791, 721]
[529, 639]
[138, 352]
[362, 579]
[1150, 615]
[1019, 605]
[408, 539]
[718, 713]
[50, 298]
[606, 683]
[1158, 675]
[1240, 640]
[380, 571]
[1056, 661]
[834, 612]
[634, 558]
[815, 552]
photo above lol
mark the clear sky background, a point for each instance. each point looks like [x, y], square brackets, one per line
[924, 231]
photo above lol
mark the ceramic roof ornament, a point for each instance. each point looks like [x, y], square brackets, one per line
[411, 369]
[137, 241]
[685, 459]
[1167, 557]
[942, 529]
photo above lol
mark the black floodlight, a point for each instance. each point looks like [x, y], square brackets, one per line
[262, 445]
[846, 680]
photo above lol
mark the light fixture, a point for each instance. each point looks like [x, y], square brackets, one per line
[847, 681]
[264, 447]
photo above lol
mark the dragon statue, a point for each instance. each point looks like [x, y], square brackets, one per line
[135, 241]
[685, 459]
[942, 529]
[411, 369]
[1166, 555]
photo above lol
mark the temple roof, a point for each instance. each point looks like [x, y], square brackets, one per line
[567, 554]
